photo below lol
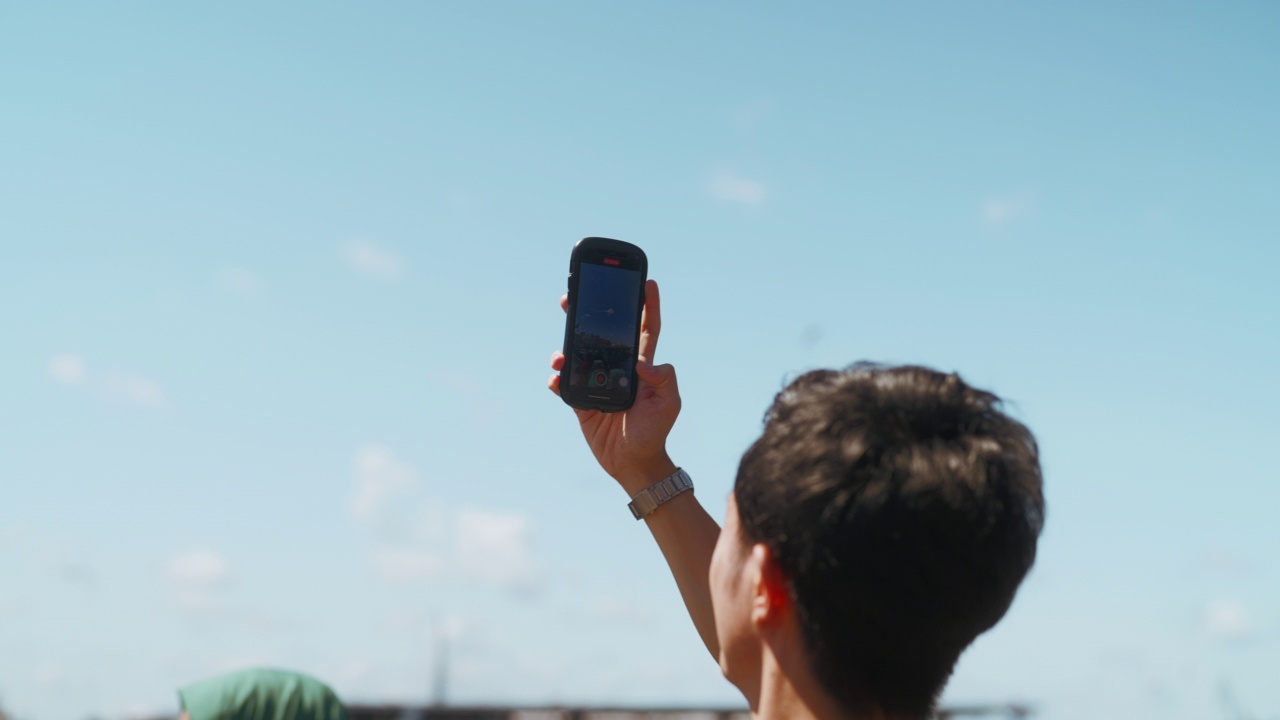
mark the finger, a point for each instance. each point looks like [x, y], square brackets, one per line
[564, 302]
[656, 375]
[553, 384]
[557, 360]
[650, 322]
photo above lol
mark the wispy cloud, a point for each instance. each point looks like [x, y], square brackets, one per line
[452, 628]
[369, 259]
[242, 282]
[68, 368]
[418, 538]
[199, 567]
[135, 389]
[1000, 211]
[1228, 620]
[617, 611]
[404, 564]
[381, 480]
[129, 387]
[496, 547]
[196, 578]
[729, 186]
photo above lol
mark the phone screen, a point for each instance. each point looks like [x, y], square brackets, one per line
[604, 330]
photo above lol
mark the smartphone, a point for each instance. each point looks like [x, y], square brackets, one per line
[602, 326]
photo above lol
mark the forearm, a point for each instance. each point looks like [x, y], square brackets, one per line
[686, 535]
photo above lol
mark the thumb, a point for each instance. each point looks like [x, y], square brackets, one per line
[656, 375]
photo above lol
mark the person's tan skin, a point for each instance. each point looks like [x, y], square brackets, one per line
[632, 447]
[734, 590]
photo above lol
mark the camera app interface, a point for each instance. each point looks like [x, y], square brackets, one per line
[604, 328]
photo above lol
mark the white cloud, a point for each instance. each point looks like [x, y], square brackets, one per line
[735, 188]
[71, 369]
[198, 568]
[135, 389]
[369, 259]
[1228, 620]
[381, 480]
[242, 281]
[68, 368]
[997, 210]
[197, 578]
[417, 538]
[620, 612]
[403, 565]
[1001, 210]
[496, 547]
[48, 675]
[451, 627]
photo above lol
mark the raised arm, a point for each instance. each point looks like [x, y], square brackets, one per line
[632, 447]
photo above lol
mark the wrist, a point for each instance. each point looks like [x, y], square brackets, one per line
[637, 476]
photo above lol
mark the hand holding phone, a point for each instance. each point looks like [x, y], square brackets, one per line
[631, 445]
[602, 324]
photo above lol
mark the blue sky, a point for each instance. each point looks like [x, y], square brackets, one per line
[278, 289]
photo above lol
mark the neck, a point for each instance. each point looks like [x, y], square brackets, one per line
[788, 689]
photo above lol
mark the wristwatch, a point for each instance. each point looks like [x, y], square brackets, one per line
[648, 499]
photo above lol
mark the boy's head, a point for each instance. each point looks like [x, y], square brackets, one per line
[883, 520]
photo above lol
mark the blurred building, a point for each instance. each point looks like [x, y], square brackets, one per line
[449, 712]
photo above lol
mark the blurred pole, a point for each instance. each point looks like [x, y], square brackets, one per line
[440, 665]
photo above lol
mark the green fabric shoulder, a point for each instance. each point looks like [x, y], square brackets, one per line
[261, 694]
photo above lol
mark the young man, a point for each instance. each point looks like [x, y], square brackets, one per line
[882, 521]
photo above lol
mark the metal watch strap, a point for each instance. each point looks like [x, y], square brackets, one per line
[648, 499]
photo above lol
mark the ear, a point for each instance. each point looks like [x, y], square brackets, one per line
[770, 591]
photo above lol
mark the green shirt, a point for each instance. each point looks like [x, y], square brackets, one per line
[261, 695]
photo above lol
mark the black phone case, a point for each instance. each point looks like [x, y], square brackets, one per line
[575, 397]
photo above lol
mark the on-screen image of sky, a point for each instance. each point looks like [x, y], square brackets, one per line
[279, 287]
[607, 301]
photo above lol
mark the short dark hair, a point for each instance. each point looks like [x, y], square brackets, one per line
[903, 506]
